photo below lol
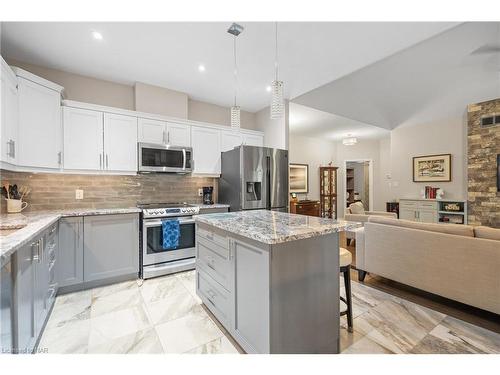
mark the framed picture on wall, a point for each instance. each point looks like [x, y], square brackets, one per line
[432, 168]
[299, 178]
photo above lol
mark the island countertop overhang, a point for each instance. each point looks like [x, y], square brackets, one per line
[272, 227]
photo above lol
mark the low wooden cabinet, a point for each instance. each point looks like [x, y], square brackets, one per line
[309, 208]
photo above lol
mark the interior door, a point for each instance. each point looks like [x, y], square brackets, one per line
[120, 143]
[278, 174]
[83, 139]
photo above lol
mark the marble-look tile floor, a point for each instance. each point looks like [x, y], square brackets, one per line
[164, 315]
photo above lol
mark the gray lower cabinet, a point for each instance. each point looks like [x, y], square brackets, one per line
[70, 255]
[111, 246]
[251, 297]
[24, 295]
[35, 287]
[6, 309]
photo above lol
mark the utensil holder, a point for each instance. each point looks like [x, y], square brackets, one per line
[15, 205]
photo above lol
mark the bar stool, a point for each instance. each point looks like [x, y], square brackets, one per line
[345, 258]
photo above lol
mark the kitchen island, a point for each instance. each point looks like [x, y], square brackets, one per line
[272, 278]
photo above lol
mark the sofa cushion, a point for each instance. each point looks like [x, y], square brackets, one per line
[456, 229]
[487, 232]
[357, 208]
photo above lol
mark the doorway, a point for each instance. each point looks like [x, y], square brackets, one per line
[358, 183]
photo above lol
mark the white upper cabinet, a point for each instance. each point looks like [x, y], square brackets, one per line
[83, 139]
[230, 139]
[40, 130]
[152, 131]
[161, 132]
[253, 139]
[120, 143]
[205, 142]
[9, 115]
[178, 134]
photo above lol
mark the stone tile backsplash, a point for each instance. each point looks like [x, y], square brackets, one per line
[50, 191]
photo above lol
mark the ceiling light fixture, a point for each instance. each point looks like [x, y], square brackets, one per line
[235, 30]
[268, 88]
[277, 103]
[350, 141]
[201, 68]
[97, 35]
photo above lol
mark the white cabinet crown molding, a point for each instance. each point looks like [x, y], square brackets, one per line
[152, 116]
[36, 79]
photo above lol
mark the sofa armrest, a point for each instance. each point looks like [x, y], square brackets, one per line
[392, 215]
[360, 249]
[356, 217]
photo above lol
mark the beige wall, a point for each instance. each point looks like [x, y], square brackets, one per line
[141, 97]
[439, 137]
[82, 88]
[215, 114]
[160, 100]
[316, 153]
[276, 132]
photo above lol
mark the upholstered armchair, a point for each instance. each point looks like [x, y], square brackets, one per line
[356, 212]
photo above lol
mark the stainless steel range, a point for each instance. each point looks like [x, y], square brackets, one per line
[155, 260]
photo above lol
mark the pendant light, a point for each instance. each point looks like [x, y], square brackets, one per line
[235, 30]
[277, 102]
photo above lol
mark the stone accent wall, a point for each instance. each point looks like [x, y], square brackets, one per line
[483, 147]
[50, 191]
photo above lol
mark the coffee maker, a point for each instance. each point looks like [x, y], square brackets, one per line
[208, 192]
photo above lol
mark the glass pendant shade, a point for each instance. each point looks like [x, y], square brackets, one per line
[277, 102]
[235, 117]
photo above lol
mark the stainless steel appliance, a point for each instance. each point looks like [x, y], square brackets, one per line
[155, 260]
[164, 158]
[254, 178]
[208, 195]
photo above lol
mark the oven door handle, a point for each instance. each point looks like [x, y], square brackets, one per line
[156, 223]
[183, 159]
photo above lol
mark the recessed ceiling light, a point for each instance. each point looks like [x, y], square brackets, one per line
[97, 35]
[268, 88]
[201, 68]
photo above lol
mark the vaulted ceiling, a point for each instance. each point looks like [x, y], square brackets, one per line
[168, 54]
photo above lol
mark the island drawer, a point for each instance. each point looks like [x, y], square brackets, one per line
[214, 297]
[214, 260]
[213, 235]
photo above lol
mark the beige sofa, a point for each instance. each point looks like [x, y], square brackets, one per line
[459, 262]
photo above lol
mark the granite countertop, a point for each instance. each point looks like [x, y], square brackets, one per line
[37, 221]
[272, 227]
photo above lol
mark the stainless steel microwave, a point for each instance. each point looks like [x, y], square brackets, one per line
[164, 158]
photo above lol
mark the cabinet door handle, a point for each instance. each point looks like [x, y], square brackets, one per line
[59, 157]
[13, 149]
[163, 137]
[107, 159]
[168, 137]
[100, 161]
[35, 257]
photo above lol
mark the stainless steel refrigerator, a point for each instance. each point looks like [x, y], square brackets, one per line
[254, 178]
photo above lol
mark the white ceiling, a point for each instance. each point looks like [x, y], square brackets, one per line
[310, 122]
[168, 54]
[429, 82]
